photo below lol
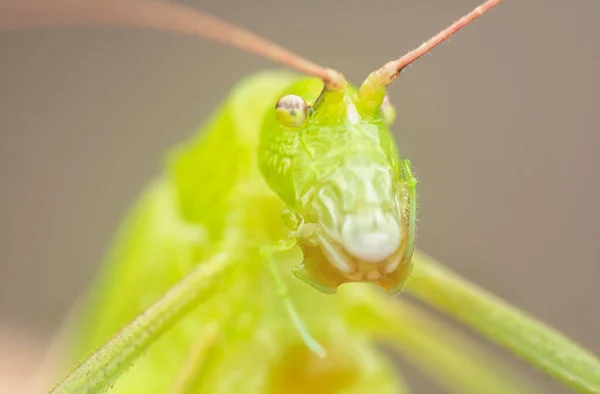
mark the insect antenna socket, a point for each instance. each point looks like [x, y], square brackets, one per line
[332, 97]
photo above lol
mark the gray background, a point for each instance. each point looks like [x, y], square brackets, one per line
[500, 124]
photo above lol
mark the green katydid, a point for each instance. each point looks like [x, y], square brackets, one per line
[291, 171]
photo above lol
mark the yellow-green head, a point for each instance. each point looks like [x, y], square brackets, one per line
[329, 155]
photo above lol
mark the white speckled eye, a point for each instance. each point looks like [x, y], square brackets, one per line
[292, 111]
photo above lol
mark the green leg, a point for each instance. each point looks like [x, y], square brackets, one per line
[282, 290]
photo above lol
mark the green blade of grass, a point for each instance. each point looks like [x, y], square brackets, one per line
[523, 335]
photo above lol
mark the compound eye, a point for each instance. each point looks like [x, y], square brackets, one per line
[388, 111]
[292, 111]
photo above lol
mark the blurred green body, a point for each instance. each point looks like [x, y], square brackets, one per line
[244, 183]
[186, 294]
[213, 190]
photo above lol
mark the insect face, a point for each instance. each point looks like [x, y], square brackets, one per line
[339, 176]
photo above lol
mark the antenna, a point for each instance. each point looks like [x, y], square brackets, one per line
[156, 15]
[372, 90]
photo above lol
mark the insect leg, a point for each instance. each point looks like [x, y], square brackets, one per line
[102, 368]
[282, 290]
[193, 365]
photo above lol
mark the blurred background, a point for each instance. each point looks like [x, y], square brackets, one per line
[500, 123]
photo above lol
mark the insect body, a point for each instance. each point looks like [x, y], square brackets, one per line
[291, 169]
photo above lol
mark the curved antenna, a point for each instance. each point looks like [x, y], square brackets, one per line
[156, 15]
[372, 90]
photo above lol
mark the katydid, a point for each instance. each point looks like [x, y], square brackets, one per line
[291, 170]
